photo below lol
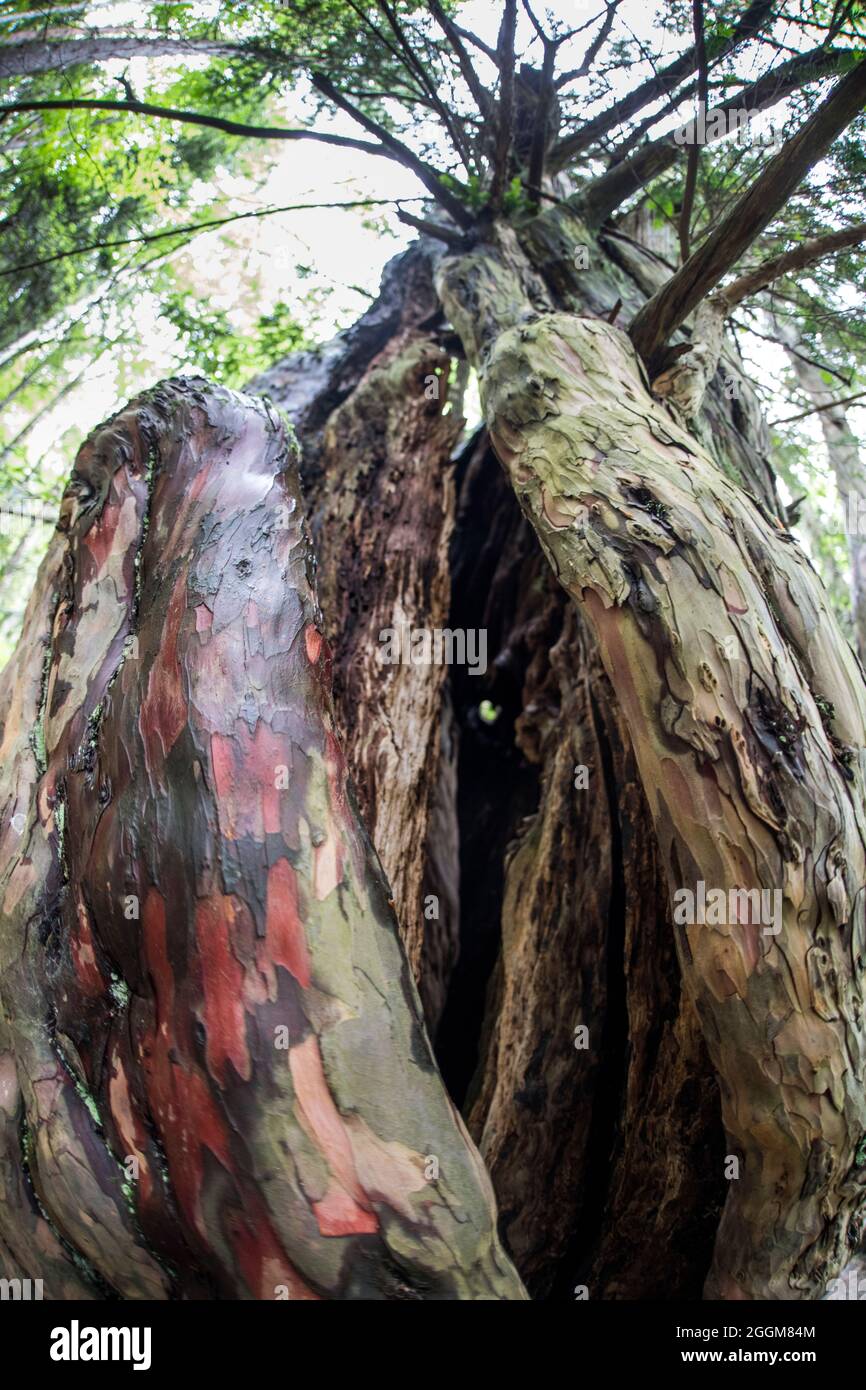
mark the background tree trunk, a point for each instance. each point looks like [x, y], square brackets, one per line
[843, 455]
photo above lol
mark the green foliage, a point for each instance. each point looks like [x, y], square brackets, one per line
[214, 347]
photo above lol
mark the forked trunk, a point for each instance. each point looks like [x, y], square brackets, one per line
[690, 722]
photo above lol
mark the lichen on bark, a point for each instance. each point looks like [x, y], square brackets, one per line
[718, 641]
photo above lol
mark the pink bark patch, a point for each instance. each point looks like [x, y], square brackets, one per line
[87, 971]
[349, 1210]
[339, 1215]
[128, 1126]
[286, 943]
[245, 771]
[313, 639]
[203, 618]
[222, 978]
[164, 707]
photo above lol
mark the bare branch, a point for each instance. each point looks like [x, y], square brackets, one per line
[594, 48]
[147, 237]
[482, 47]
[412, 62]
[434, 229]
[659, 85]
[480, 94]
[807, 253]
[816, 409]
[694, 149]
[622, 180]
[427, 175]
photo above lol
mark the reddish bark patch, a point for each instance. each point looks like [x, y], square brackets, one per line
[164, 707]
[222, 978]
[99, 539]
[261, 1258]
[313, 639]
[244, 768]
[286, 943]
[180, 1100]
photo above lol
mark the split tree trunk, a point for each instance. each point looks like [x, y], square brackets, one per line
[570, 882]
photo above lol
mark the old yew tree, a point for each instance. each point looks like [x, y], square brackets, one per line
[433, 757]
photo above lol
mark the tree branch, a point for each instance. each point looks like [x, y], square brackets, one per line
[480, 94]
[147, 237]
[433, 229]
[659, 85]
[816, 409]
[477, 43]
[592, 51]
[807, 253]
[721, 250]
[168, 113]
[545, 98]
[412, 62]
[505, 118]
[27, 57]
[599, 199]
[427, 175]
[694, 149]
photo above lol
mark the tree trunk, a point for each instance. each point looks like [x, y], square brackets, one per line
[843, 455]
[746, 712]
[235, 1095]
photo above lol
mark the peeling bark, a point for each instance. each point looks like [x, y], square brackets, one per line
[751, 763]
[370, 410]
[382, 543]
[586, 940]
[200, 968]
